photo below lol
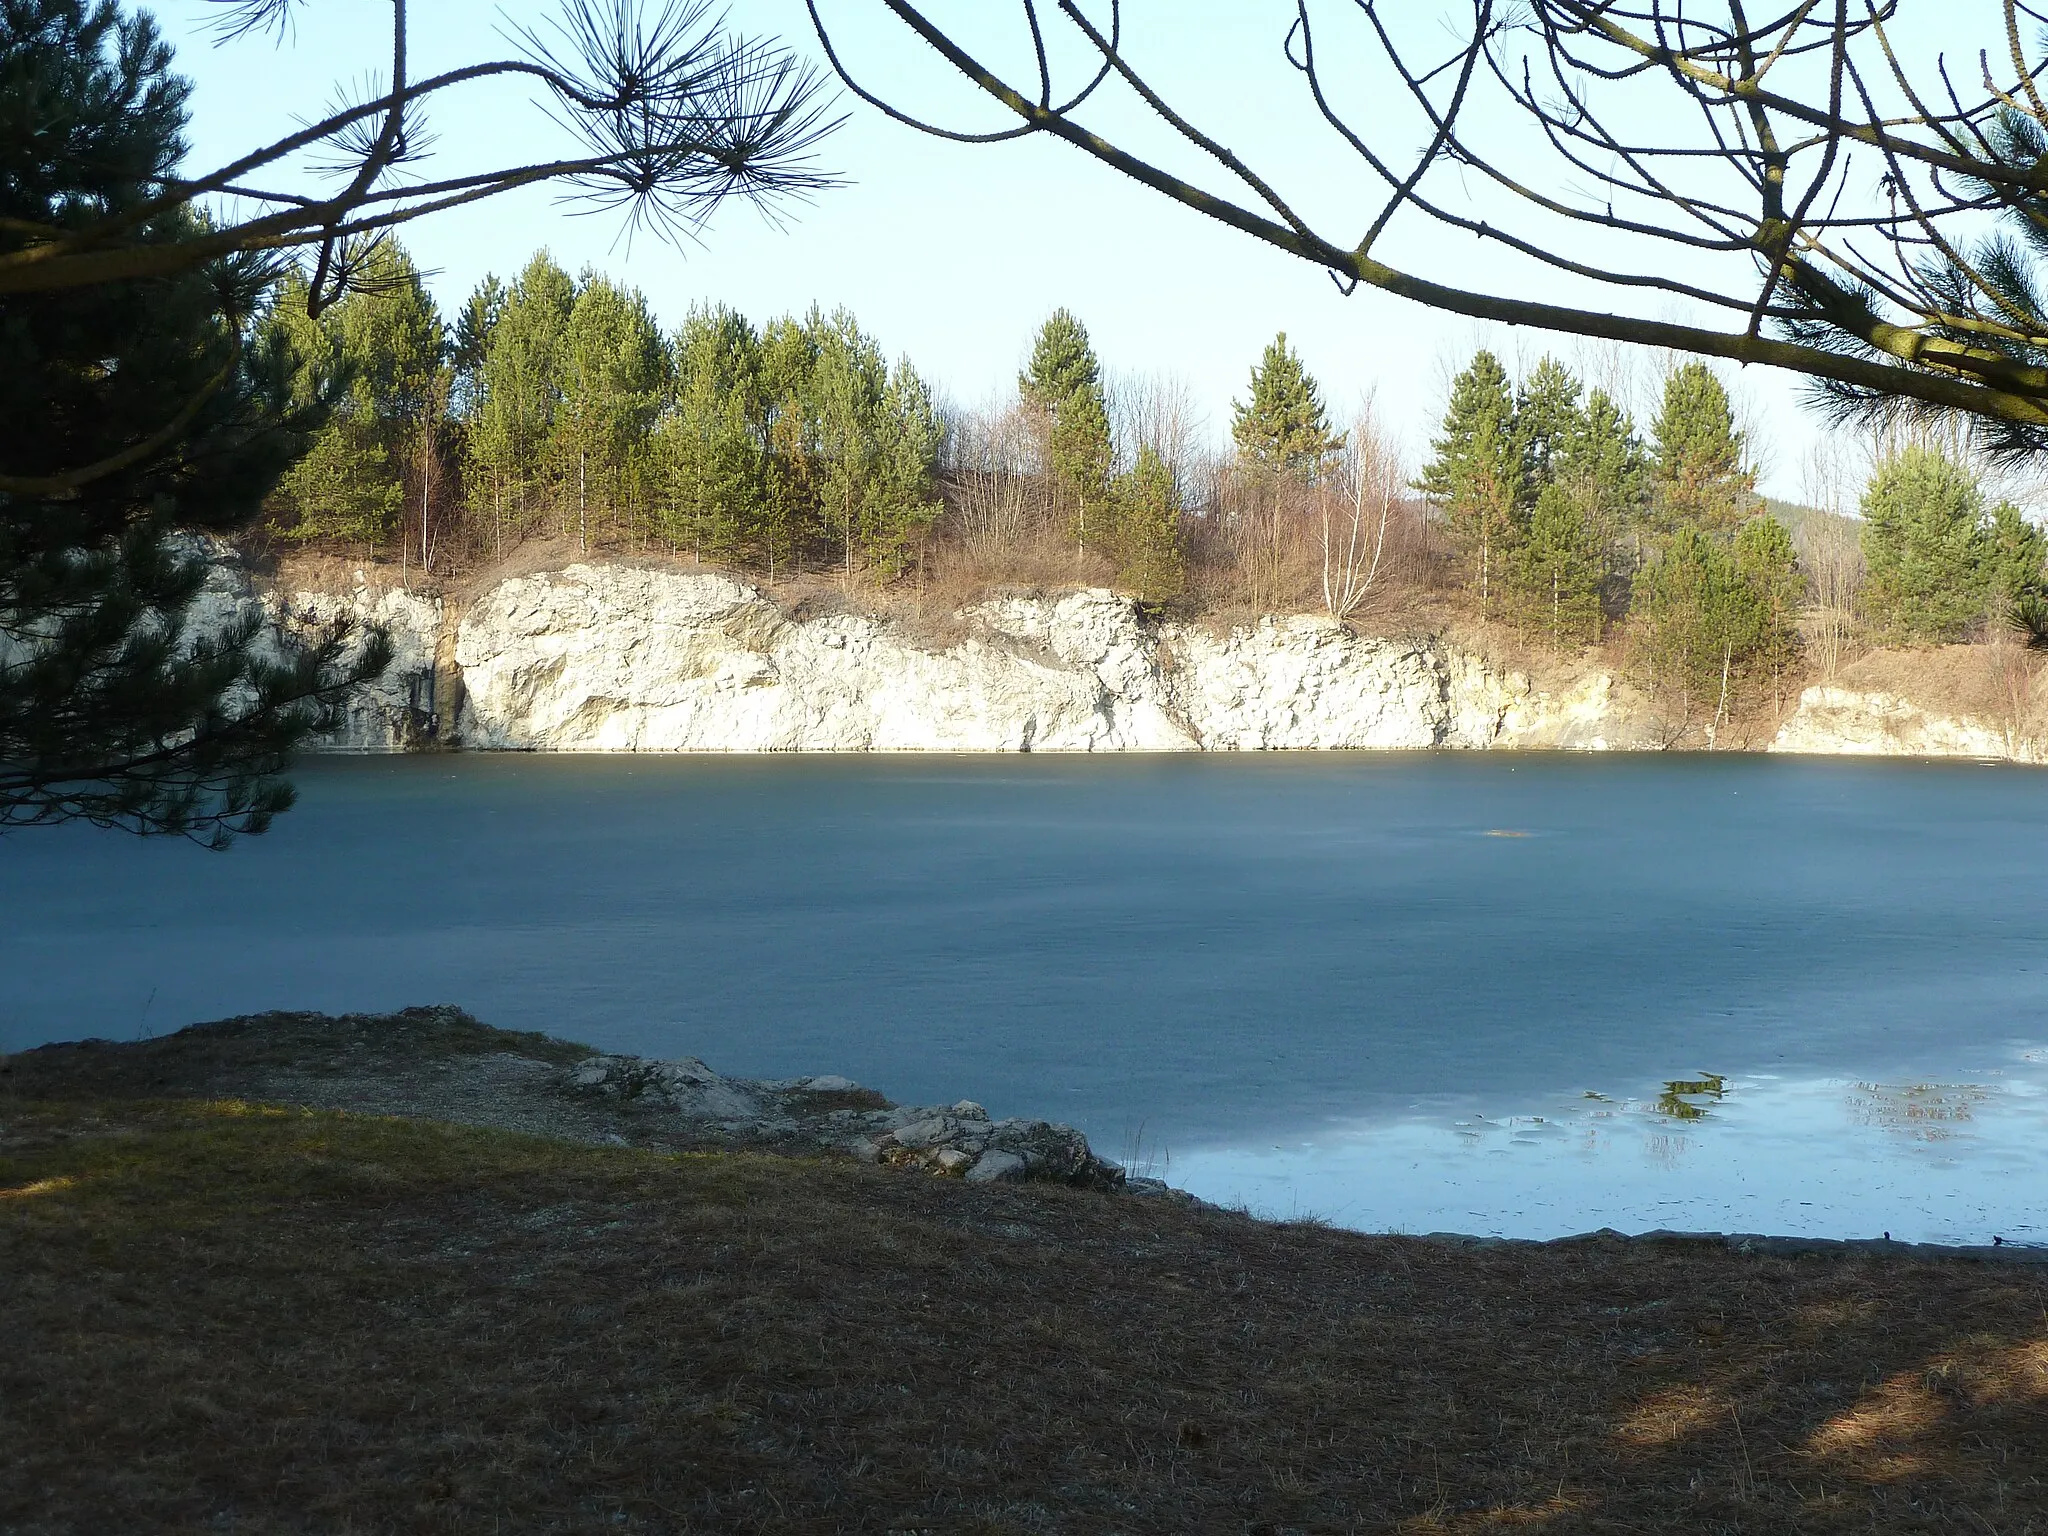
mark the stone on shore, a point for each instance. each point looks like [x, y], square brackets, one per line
[957, 1140]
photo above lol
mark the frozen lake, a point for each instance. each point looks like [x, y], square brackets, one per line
[1414, 991]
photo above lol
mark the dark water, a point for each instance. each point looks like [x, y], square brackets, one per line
[1261, 968]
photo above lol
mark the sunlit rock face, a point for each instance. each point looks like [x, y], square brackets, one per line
[613, 659]
[1864, 722]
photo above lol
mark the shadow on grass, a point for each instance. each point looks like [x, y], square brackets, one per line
[283, 1320]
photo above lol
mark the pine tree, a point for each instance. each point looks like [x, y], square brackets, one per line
[386, 341]
[1478, 478]
[471, 343]
[1147, 542]
[132, 412]
[710, 444]
[1700, 478]
[1925, 547]
[615, 375]
[513, 457]
[2015, 561]
[1063, 384]
[794, 468]
[800, 440]
[1698, 621]
[1283, 428]
[1604, 466]
[1765, 556]
[1716, 619]
[1548, 419]
[878, 441]
[1558, 569]
[912, 435]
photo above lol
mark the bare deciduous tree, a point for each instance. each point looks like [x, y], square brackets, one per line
[1158, 411]
[1356, 509]
[999, 496]
[1830, 554]
[1817, 195]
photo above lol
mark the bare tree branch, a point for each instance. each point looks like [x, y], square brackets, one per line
[1758, 159]
[673, 117]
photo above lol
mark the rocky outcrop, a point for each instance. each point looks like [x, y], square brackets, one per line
[609, 659]
[614, 658]
[401, 710]
[833, 1113]
[439, 1063]
[1869, 722]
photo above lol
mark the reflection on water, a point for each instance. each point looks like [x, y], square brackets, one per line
[1682, 1096]
[1924, 1111]
[1958, 1162]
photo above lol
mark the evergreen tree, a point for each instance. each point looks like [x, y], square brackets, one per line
[1548, 419]
[878, 443]
[1700, 623]
[1063, 384]
[794, 467]
[1478, 478]
[2015, 559]
[1925, 547]
[384, 340]
[1700, 479]
[615, 374]
[1604, 466]
[1765, 556]
[512, 438]
[1283, 429]
[714, 461]
[471, 343]
[912, 437]
[343, 486]
[1147, 543]
[1558, 569]
[132, 412]
[801, 439]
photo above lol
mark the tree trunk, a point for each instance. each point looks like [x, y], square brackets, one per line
[1721, 705]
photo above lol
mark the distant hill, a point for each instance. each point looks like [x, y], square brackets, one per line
[1796, 515]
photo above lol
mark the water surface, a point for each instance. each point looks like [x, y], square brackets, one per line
[1377, 987]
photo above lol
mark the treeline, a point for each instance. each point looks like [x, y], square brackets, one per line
[558, 405]
[1568, 523]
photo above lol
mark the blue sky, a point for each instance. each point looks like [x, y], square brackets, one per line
[953, 254]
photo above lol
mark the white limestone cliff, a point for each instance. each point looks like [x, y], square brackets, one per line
[1865, 722]
[609, 658]
[617, 658]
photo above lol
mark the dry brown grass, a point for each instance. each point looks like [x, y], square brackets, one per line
[1988, 681]
[226, 1318]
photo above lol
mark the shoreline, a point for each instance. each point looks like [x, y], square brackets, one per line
[1756, 1243]
[440, 1063]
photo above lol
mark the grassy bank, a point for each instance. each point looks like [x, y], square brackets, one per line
[233, 1318]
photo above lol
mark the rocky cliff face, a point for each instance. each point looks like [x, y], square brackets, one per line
[1865, 722]
[610, 658]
